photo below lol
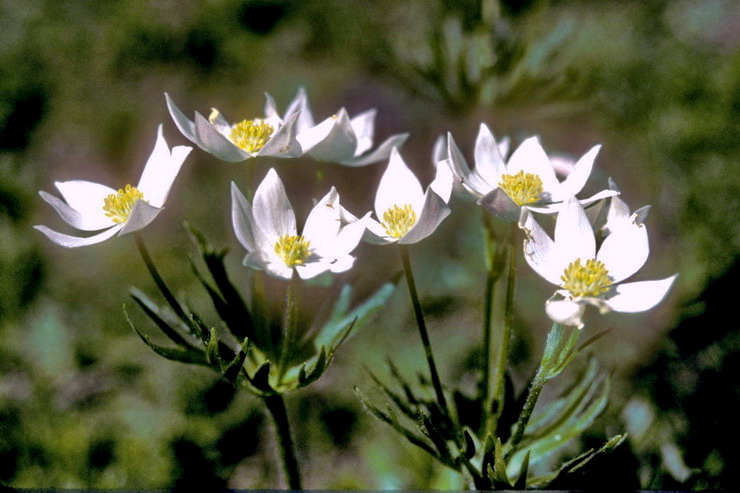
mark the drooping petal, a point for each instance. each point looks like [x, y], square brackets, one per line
[283, 142]
[160, 170]
[364, 127]
[68, 241]
[433, 212]
[632, 297]
[323, 222]
[565, 312]
[576, 180]
[540, 251]
[88, 222]
[214, 142]
[530, 157]
[398, 186]
[489, 163]
[183, 123]
[272, 211]
[88, 199]
[379, 154]
[574, 236]
[624, 251]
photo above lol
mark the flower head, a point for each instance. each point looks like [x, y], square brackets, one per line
[527, 180]
[344, 140]
[267, 230]
[268, 136]
[407, 214]
[90, 206]
[585, 276]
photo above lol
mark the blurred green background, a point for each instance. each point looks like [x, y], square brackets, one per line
[83, 403]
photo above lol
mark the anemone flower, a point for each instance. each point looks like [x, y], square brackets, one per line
[267, 230]
[588, 277]
[90, 206]
[526, 180]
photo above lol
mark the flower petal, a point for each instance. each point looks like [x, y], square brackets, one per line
[442, 183]
[639, 296]
[530, 157]
[398, 186]
[339, 143]
[376, 233]
[283, 142]
[342, 264]
[87, 222]
[87, 198]
[500, 205]
[379, 154]
[245, 229]
[433, 212]
[470, 180]
[141, 215]
[272, 211]
[313, 269]
[348, 238]
[323, 222]
[364, 127]
[574, 236]
[214, 142]
[68, 241]
[439, 149]
[565, 312]
[160, 170]
[299, 105]
[540, 251]
[581, 171]
[489, 163]
[183, 123]
[624, 251]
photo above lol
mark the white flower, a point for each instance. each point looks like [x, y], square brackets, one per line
[269, 136]
[407, 214]
[344, 140]
[526, 180]
[267, 230]
[585, 276]
[90, 206]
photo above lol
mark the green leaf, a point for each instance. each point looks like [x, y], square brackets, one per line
[231, 372]
[153, 312]
[499, 478]
[261, 378]
[469, 450]
[521, 480]
[212, 351]
[318, 370]
[405, 407]
[180, 354]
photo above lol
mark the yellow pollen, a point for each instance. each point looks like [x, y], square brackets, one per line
[118, 206]
[214, 115]
[292, 249]
[523, 188]
[251, 135]
[591, 279]
[398, 220]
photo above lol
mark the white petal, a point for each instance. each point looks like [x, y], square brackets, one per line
[489, 163]
[581, 171]
[74, 218]
[88, 199]
[283, 143]
[246, 231]
[471, 180]
[632, 297]
[278, 269]
[530, 157]
[540, 251]
[379, 154]
[364, 128]
[311, 136]
[565, 312]
[433, 212]
[299, 105]
[313, 269]
[272, 211]
[439, 149]
[348, 238]
[75, 241]
[339, 144]
[376, 233]
[574, 236]
[211, 140]
[141, 215]
[342, 264]
[160, 170]
[183, 123]
[624, 251]
[398, 186]
[442, 183]
[323, 222]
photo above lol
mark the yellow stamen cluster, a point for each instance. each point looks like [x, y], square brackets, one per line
[398, 220]
[251, 135]
[523, 188]
[292, 249]
[591, 279]
[118, 206]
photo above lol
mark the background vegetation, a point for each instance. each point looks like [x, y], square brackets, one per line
[83, 403]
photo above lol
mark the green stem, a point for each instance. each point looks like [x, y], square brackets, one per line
[502, 355]
[422, 327]
[276, 406]
[291, 322]
[491, 278]
[521, 424]
[171, 300]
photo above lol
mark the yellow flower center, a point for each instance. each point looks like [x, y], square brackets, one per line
[251, 135]
[398, 220]
[523, 188]
[118, 206]
[591, 279]
[292, 249]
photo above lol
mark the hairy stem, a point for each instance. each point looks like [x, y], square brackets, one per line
[276, 406]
